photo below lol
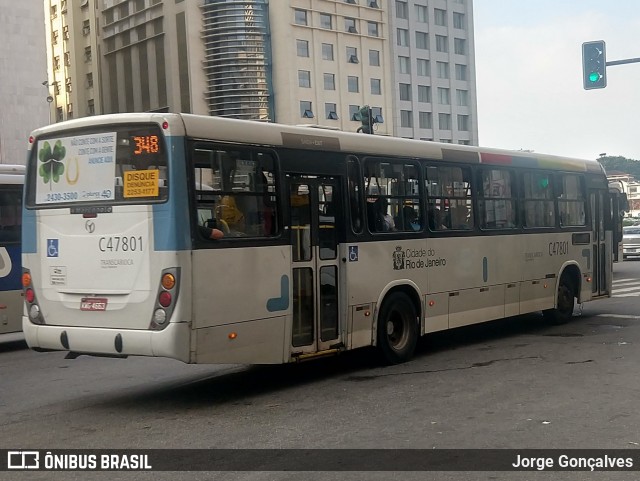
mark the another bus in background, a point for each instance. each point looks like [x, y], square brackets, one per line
[11, 298]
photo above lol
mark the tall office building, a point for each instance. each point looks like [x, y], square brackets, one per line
[23, 69]
[314, 62]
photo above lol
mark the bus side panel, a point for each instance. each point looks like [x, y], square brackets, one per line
[10, 289]
[243, 291]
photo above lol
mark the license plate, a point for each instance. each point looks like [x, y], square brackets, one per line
[93, 304]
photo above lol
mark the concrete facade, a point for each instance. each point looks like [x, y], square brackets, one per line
[22, 72]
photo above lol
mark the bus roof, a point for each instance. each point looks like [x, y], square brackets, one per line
[274, 135]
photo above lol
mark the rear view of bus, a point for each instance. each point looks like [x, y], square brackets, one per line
[103, 246]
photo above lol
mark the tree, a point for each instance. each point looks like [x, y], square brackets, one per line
[621, 164]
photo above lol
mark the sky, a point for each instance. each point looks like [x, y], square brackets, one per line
[529, 76]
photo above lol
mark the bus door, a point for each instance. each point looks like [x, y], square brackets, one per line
[315, 215]
[599, 251]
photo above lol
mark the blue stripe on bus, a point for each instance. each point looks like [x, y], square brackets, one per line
[29, 231]
[171, 230]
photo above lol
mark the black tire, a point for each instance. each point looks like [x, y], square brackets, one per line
[397, 334]
[566, 301]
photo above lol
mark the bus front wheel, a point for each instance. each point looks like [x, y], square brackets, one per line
[566, 300]
[397, 334]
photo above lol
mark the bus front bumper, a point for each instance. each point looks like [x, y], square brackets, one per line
[172, 342]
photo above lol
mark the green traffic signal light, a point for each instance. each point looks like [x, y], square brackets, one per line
[594, 65]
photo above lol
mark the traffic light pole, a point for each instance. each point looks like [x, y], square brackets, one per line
[620, 62]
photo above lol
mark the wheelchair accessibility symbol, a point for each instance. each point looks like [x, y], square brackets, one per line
[353, 253]
[52, 247]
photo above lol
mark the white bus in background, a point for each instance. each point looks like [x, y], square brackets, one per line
[11, 301]
[330, 241]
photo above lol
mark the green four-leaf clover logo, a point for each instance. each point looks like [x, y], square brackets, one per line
[52, 167]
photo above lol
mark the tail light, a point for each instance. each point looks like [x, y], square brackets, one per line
[30, 299]
[166, 298]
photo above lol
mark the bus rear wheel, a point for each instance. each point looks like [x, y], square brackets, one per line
[397, 334]
[566, 300]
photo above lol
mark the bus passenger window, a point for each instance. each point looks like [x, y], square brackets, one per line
[238, 188]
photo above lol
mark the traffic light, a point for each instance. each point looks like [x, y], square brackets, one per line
[366, 118]
[594, 65]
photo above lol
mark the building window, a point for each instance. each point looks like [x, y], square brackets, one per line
[304, 78]
[402, 10]
[460, 46]
[374, 4]
[352, 55]
[440, 17]
[353, 2]
[329, 81]
[89, 78]
[86, 27]
[422, 40]
[124, 10]
[441, 44]
[330, 111]
[444, 121]
[443, 96]
[458, 20]
[421, 14]
[405, 91]
[91, 109]
[140, 5]
[326, 21]
[372, 29]
[376, 88]
[68, 84]
[424, 93]
[353, 84]
[406, 118]
[67, 59]
[354, 112]
[374, 58]
[87, 54]
[443, 69]
[462, 98]
[461, 72]
[404, 64]
[65, 32]
[402, 35]
[463, 123]
[327, 51]
[53, 13]
[54, 37]
[302, 48]
[423, 67]
[350, 25]
[424, 120]
[56, 62]
[376, 113]
[108, 16]
[110, 44]
[56, 88]
[306, 111]
[300, 17]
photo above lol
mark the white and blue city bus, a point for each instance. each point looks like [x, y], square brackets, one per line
[327, 241]
[11, 302]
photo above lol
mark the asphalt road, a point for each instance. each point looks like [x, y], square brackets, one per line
[517, 383]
